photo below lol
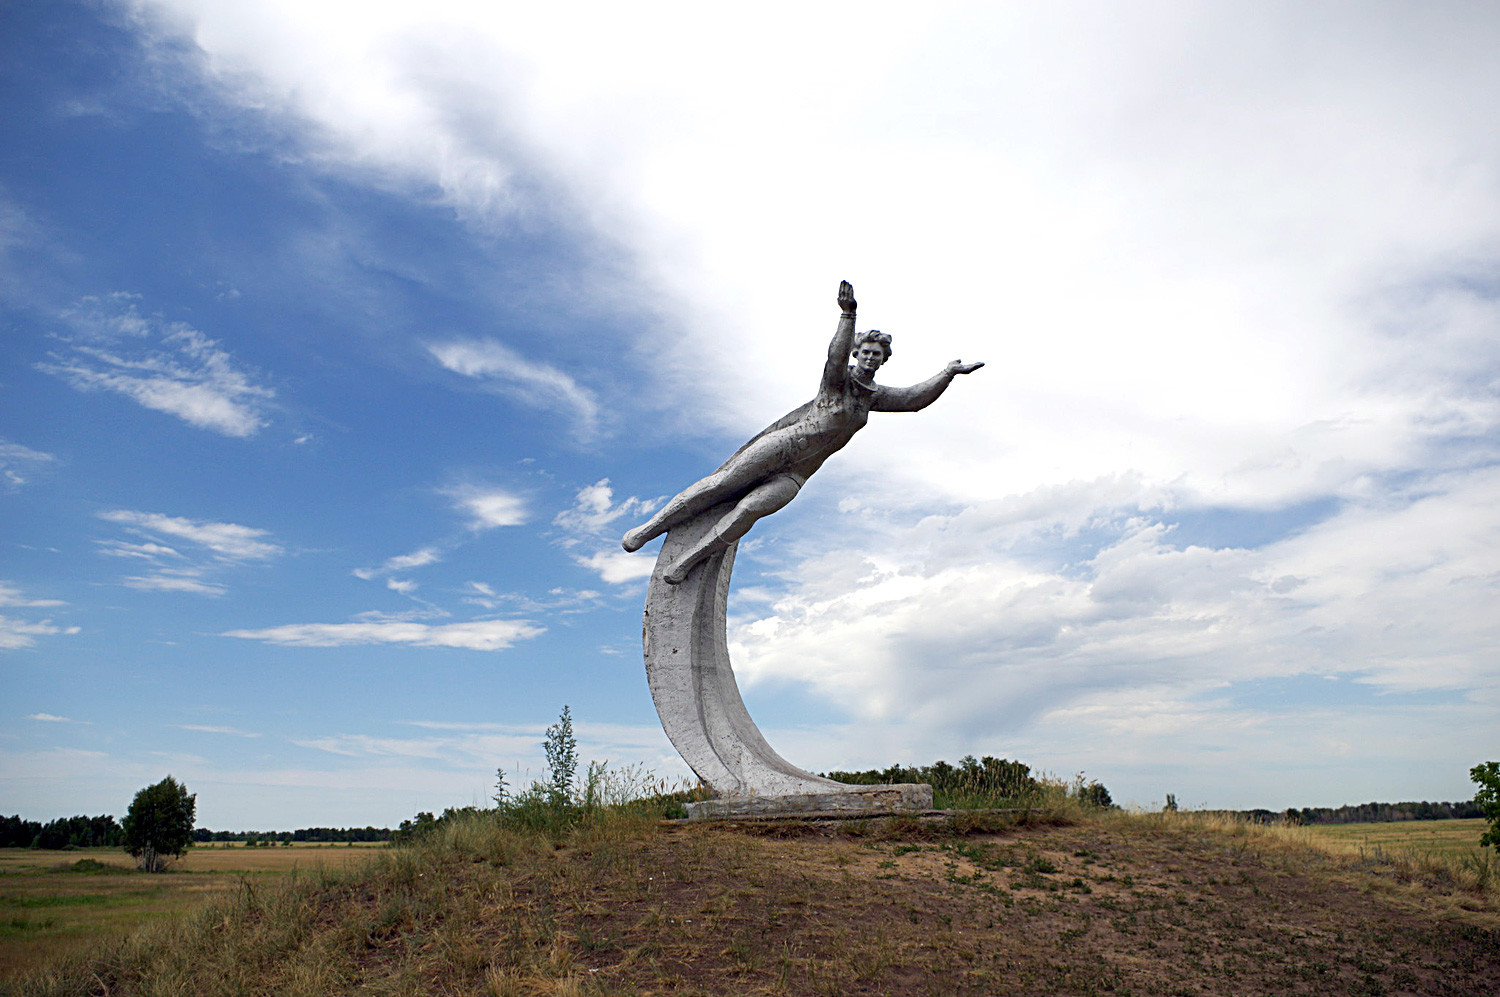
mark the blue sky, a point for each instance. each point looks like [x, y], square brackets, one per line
[342, 342]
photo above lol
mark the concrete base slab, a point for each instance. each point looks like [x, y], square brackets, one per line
[895, 798]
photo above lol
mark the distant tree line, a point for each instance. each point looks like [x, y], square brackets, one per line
[203, 835]
[1365, 813]
[64, 832]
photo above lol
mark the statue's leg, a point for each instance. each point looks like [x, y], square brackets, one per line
[765, 499]
[759, 461]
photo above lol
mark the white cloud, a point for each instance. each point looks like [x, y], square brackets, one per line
[962, 629]
[209, 729]
[169, 581]
[182, 373]
[146, 551]
[51, 718]
[617, 567]
[219, 546]
[489, 507]
[405, 586]
[592, 528]
[17, 462]
[531, 383]
[416, 559]
[478, 635]
[595, 514]
[420, 558]
[227, 541]
[15, 633]
[11, 595]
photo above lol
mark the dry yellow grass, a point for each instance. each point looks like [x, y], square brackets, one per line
[1066, 904]
[52, 902]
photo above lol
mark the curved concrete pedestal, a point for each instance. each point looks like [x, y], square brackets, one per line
[693, 686]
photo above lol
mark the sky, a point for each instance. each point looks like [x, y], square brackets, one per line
[342, 341]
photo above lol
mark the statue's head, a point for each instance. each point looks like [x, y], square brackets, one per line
[871, 349]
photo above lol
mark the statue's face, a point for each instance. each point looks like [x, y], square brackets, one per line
[868, 357]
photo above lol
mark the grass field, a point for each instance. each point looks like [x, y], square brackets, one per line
[1064, 902]
[1439, 837]
[55, 901]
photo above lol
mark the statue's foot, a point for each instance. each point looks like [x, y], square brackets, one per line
[635, 539]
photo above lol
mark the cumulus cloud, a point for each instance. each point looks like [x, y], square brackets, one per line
[165, 366]
[18, 463]
[591, 530]
[964, 628]
[531, 383]
[617, 567]
[478, 635]
[489, 507]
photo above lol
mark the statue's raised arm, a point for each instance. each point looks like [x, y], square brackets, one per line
[767, 472]
[836, 369]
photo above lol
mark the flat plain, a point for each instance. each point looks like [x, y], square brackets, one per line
[1438, 837]
[52, 902]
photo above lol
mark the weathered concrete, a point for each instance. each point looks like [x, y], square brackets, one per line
[687, 653]
[696, 695]
[903, 797]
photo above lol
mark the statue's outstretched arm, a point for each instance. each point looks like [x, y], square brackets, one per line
[836, 370]
[919, 396]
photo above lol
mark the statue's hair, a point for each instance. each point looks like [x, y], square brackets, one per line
[874, 336]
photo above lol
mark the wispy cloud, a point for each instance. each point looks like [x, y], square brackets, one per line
[215, 547]
[489, 507]
[531, 383]
[556, 600]
[402, 562]
[208, 729]
[227, 541]
[17, 463]
[11, 595]
[174, 580]
[479, 635]
[165, 366]
[52, 718]
[16, 633]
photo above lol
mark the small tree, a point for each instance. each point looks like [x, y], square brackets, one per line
[159, 823]
[1486, 776]
[501, 795]
[561, 749]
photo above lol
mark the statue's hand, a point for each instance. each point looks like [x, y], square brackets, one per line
[959, 367]
[846, 297]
